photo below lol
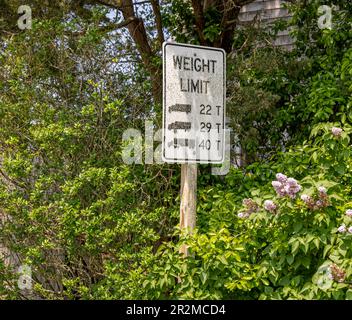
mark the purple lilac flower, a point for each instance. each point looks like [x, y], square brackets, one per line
[269, 205]
[276, 184]
[322, 190]
[241, 215]
[349, 212]
[292, 189]
[342, 228]
[281, 192]
[292, 182]
[310, 202]
[350, 229]
[336, 131]
[286, 186]
[247, 202]
[292, 195]
[281, 178]
[251, 206]
[337, 274]
[319, 203]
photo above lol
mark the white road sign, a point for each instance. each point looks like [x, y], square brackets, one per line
[193, 104]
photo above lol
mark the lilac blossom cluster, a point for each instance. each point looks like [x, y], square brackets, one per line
[316, 203]
[251, 207]
[270, 206]
[336, 132]
[286, 186]
[336, 274]
[342, 228]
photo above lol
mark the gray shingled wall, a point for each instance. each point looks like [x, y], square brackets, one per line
[268, 11]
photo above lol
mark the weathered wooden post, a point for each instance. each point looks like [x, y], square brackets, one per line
[188, 206]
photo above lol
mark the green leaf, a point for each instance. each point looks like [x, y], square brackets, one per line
[316, 242]
[297, 226]
[290, 259]
[223, 260]
[306, 262]
[295, 247]
[326, 249]
[349, 294]
[203, 277]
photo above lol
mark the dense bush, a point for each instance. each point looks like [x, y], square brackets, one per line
[286, 240]
[292, 243]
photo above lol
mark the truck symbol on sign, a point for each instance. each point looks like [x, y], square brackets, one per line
[180, 108]
[182, 143]
[178, 125]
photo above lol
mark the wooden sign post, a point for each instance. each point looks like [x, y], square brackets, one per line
[188, 199]
[193, 116]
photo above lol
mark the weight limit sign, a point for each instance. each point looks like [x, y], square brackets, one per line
[193, 104]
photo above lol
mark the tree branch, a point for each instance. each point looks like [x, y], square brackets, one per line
[125, 23]
[231, 11]
[199, 18]
[158, 22]
[137, 31]
[139, 35]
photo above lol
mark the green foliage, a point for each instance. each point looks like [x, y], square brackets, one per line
[92, 227]
[70, 208]
[280, 255]
[294, 252]
[214, 270]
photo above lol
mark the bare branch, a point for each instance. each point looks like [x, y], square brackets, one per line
[139, 35]
[199, 17]
[158, 22]
[125, 23]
